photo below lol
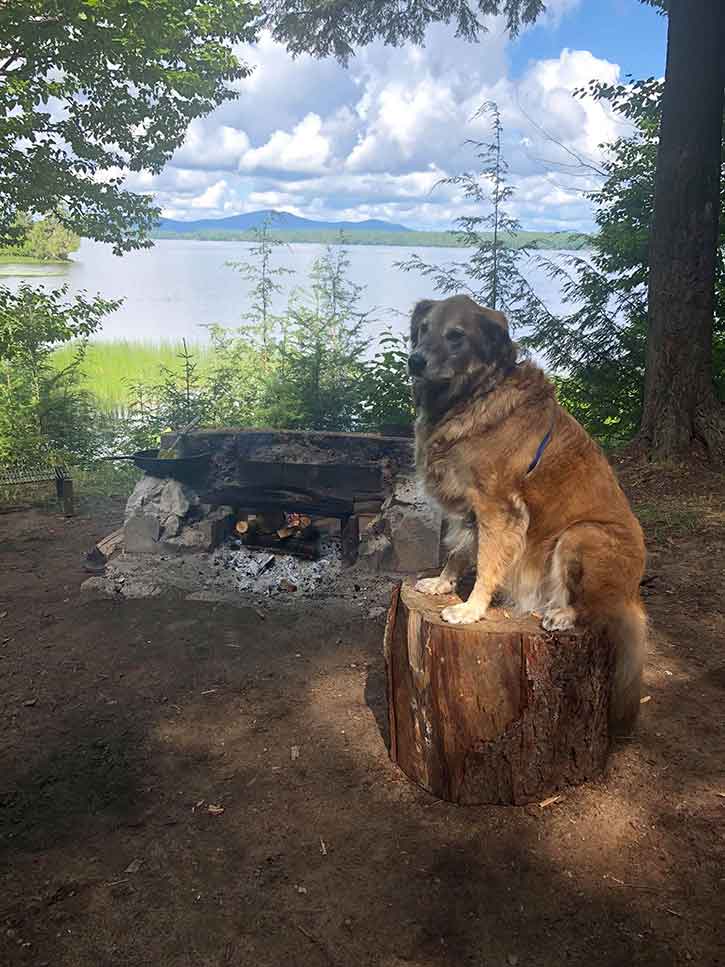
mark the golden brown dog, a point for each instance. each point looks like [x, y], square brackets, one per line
[529, 496]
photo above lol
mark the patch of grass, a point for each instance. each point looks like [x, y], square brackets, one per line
[660, 521]
[107, 479]
[111, 367]
[8, 258]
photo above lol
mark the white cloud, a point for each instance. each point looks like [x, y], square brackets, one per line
[304, 149]
[212, 147]
[556, 10]
[211, 198]
[376, 139]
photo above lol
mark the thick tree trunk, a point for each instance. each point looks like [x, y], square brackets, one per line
[495, 712]
[679, 404]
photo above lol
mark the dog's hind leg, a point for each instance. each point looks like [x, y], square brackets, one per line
[594, 582]
[559, 613]
[461, 539]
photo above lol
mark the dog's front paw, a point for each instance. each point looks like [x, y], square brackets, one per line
[439, 585]
[463, 614]
[559, 619]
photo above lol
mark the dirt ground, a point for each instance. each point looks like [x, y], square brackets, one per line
[128, 726]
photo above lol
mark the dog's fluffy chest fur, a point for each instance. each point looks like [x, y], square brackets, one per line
[483, 444]
[445, 474]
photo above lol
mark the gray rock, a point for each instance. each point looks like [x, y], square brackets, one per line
[201, 537]
[191, 540]
[176, 499]
[141, 534]
[146, 492]
[172, 526]
[406, 536]
[141, 589]
[415, 535]
[97, 587]
[216, 527]
[375, 553]
[407, 489]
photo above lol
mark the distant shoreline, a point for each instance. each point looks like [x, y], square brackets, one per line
[563, 241]
[7, 259]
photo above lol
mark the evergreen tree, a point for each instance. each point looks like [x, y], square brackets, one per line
[181, 395]
[386, 397]
[264, 277]
[493, 274]
[318, 385]
[598, 349]
[680, 407]
[335, 27]
[248, 359]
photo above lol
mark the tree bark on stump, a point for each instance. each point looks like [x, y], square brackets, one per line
[495, 712]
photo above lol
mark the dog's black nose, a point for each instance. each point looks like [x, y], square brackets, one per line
[416, 364]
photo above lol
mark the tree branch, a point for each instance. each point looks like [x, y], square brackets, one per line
[580, 161]
[13, 57]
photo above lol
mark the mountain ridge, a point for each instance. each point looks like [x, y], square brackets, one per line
[281, 220]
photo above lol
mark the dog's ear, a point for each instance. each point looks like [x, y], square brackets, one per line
[421, 309]
[494, 343]
[498, 317]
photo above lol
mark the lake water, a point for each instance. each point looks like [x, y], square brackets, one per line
[181, 286]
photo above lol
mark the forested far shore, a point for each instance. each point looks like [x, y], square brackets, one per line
[562, 241]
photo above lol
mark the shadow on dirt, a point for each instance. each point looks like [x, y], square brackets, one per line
[95, 771]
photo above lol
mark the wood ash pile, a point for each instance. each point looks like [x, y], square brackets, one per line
[263, 572]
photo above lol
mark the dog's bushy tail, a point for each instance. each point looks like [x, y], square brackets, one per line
[626, 630]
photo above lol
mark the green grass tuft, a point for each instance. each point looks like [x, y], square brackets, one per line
[111, 367]
[666, 520]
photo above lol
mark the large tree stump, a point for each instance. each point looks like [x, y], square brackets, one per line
[495, 712]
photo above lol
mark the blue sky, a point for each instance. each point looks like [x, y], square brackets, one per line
[626, 31]
[374, 140]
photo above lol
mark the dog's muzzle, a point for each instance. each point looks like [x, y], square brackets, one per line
[416, 364]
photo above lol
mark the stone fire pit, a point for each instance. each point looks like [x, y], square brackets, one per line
[365, 481]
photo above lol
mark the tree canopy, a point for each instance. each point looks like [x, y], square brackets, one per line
[335, 27]
[93, 89]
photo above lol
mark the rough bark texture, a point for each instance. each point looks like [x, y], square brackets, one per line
[679, 405]
[496, 712]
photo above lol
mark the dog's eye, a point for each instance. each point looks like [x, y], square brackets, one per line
[455, 335]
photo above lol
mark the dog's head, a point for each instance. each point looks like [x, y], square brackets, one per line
[457, 344]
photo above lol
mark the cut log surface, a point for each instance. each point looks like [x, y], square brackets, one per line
[495, 712]
[111, 543]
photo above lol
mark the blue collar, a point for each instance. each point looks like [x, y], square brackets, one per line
[540, 451]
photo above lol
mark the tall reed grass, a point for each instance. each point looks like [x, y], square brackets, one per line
[111, 367]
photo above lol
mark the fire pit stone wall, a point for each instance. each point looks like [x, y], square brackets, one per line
[405, 537]
[336, 473]
[166, 515]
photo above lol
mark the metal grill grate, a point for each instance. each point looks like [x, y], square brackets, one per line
[20, 473]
